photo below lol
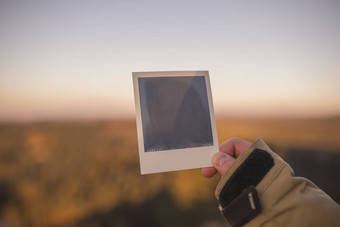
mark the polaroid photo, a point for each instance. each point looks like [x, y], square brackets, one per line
[175, 120]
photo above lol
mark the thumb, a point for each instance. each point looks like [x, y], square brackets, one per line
[222, 162]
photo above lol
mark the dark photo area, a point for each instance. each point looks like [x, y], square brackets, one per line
[175, 112]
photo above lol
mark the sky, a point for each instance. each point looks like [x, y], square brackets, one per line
[74, 59]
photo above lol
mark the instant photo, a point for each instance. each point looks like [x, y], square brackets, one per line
[175, 113]
[175, 120]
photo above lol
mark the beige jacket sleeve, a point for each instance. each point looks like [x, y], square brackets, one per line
[285, 200]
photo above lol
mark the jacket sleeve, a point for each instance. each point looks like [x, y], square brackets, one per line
[260, 189]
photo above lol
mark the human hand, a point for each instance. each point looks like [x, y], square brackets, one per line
[222, 160]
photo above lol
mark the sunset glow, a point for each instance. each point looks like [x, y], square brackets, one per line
[73, 60]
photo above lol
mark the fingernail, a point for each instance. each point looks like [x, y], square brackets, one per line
[219, 159]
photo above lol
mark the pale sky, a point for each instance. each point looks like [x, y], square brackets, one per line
[73, 59]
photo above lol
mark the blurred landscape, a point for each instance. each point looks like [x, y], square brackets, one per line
[86, 173]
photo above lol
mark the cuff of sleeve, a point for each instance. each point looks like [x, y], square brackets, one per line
[236, 189]
[243, 208]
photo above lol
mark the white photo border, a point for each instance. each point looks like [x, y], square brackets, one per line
[176, 159]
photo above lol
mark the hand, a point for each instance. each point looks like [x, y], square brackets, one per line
[222, 160]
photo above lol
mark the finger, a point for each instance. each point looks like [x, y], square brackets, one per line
[234, 146]
[222, 162]
[209, 172]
